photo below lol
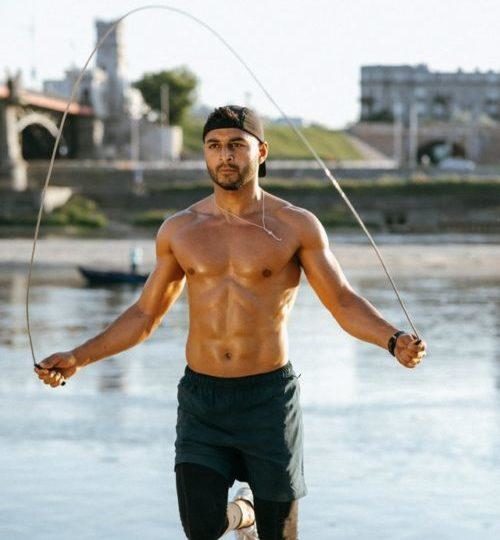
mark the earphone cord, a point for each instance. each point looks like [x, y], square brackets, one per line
[263, 226]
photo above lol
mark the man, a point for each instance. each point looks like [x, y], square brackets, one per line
[241, 252]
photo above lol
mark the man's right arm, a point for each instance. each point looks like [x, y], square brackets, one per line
[137, 323]
[140, 320]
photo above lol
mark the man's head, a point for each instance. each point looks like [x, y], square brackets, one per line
[234, 146]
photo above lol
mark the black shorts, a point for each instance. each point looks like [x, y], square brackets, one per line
[246, 428]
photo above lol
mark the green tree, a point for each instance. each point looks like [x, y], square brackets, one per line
[181, 84]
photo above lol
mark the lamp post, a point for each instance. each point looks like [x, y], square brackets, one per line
[398, 134]
[413, 136]
[164, 119]
[135, 148]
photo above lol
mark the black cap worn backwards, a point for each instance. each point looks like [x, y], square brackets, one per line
[234, 116]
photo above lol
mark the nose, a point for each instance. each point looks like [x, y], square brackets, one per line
[226, 154]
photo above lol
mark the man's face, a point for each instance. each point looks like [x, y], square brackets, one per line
[233, 157]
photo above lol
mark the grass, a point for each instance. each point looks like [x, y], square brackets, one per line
[152, 218]
[284, 142]
[329, 144]
[78, 211]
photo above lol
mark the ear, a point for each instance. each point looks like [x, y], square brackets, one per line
[263, 151]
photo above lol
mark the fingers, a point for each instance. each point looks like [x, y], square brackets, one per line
[412, 351]
[417, 346]
[412, 360]
[55, 369]
[52, 377]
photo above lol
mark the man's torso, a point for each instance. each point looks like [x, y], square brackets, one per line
[241, 283]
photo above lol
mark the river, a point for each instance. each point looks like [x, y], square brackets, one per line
[391, 453]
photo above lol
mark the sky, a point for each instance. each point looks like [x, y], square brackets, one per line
[307, 54]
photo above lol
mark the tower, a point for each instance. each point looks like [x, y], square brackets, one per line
[111, 60]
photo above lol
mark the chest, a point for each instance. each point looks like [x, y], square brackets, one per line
[241, 251]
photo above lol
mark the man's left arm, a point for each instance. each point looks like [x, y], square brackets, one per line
[353, 312]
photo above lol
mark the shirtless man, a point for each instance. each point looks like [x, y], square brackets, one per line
[241, 252]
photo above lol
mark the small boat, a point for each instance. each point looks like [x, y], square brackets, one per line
[110, 277]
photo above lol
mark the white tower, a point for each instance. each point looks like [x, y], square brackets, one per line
[110, 59]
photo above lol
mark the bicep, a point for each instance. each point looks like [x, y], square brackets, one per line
[165, 283]
[322, 269]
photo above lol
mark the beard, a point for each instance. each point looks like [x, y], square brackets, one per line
[237, 180]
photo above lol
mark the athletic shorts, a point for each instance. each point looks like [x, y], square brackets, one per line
[246, 428]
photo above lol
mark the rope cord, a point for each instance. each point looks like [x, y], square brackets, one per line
[299, 133]
[263, 226]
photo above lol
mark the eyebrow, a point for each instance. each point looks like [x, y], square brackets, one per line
[234, 139]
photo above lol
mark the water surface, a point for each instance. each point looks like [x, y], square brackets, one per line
[391, 453]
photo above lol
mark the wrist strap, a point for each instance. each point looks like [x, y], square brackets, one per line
[391, 344]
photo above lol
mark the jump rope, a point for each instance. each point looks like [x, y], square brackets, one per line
[297, 130]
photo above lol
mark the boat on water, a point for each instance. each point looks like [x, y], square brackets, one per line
[96, 276]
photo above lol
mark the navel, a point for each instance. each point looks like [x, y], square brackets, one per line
[266, 272]
[228, 355]
[191, 271]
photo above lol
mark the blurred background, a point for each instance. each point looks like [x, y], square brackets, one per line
[402, 101]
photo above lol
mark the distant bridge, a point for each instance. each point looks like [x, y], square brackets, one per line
[29, 123]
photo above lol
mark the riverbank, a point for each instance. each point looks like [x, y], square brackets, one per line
[414, 205]
[447, 256]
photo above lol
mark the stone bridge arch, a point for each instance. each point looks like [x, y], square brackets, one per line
[29, 125]
[37, 118]
[37, 132]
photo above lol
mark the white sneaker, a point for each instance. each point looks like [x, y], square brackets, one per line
[247, 533]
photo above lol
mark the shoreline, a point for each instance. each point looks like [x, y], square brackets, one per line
[409, 259]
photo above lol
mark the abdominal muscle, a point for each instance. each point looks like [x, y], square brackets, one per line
[236, 330]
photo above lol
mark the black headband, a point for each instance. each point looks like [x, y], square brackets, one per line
[233, 116]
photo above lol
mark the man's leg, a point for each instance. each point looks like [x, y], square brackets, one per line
[276, 520]
[202, 496]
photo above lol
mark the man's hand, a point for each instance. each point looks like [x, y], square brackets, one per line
[409, 350]
[58, 367]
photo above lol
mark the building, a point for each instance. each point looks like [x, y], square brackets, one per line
[421, 117]
[389, 92]
[127, 133]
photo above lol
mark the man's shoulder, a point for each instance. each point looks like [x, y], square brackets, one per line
[175, 221]
[294, 215]
[304, 223]
[183, 218]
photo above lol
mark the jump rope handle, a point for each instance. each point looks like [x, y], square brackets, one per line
[40, 367]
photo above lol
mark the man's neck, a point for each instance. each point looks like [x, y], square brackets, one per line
[242, 201]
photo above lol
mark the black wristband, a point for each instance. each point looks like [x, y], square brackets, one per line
[391, 344]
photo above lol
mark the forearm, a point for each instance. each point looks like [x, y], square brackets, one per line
[129, 329]
[360, 319]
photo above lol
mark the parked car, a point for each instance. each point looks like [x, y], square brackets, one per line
[457, 164]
